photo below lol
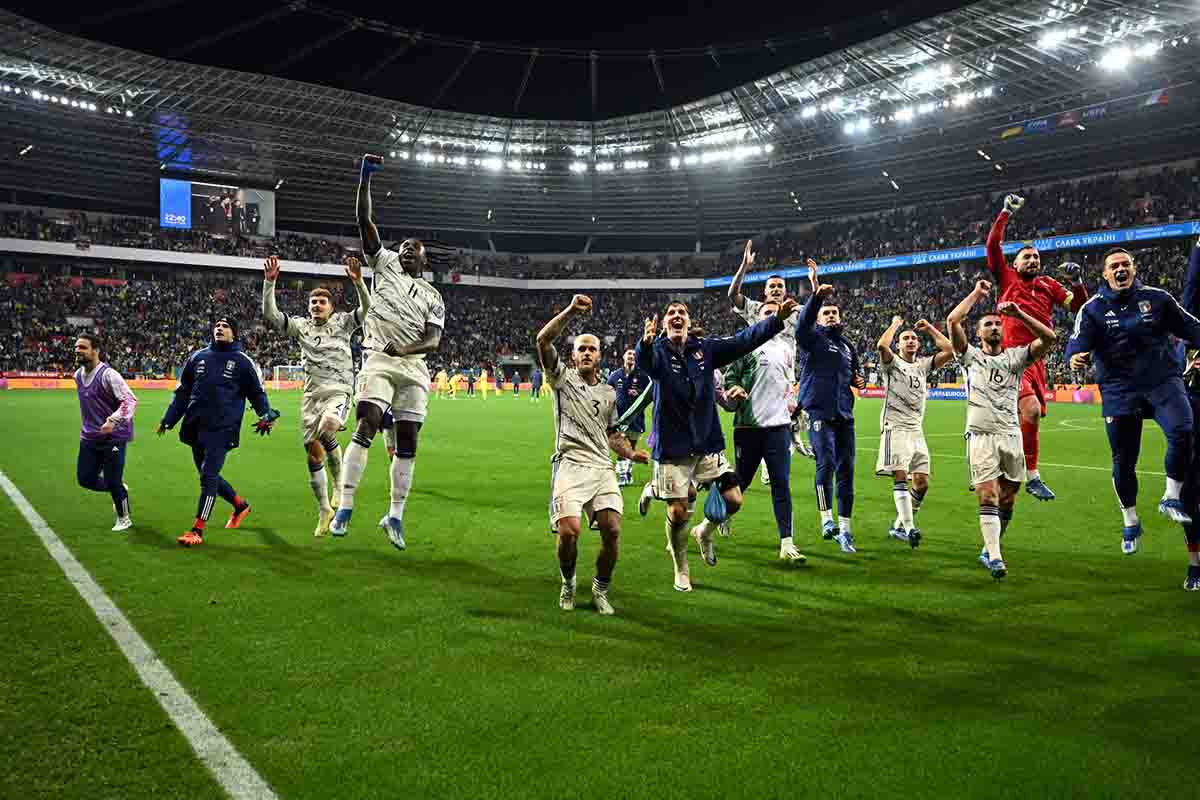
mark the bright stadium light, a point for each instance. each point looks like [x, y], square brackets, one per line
[848, 128]
[604, 166]
[691, 159]
[809, 112]
[278, 183]
[904, 115]
[578, 166]
[128, 113]
[768, 147]
[674, 162]
[984, 155]
[1116, 58]
[1148, 50]
[493, 163]
[26, 149]
[926, 108]
[895, 185]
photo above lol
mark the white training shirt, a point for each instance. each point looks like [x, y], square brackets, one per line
[583, 416]
[906, 388]
[993, 383]
[401, 305]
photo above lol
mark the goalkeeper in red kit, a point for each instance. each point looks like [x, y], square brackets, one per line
[1024, 284]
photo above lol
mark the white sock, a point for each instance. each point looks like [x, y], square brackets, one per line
[333, 462]
[402, 474]
[844, 524]
[786, 542]
[1130, 516]
[827, 516]
[319, 482]
[353, 467]
[706, 527]
[1174, 487]
[904, 508]
[989, 525]
[1033, 475]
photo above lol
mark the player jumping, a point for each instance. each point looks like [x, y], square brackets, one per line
[324, 338]
[903, 453]
[405, 321]
[106, 406]
[995, 456]
[583, 480]
[211, 398]
[1023, 283]
[691, 446]
[1123, 331]
[628, 382]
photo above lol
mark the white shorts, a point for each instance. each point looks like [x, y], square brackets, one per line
[399, 385]
[576, 490]
[317, 404]
[673, 478]
[902, 450]
[995, 455]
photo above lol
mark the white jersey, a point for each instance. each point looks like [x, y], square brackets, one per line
[749, 313]
[993, 383]
[584, 414]
[325, 350]
[401, 305]
[906, 388]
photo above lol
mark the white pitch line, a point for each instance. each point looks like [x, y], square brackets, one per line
[239, 780]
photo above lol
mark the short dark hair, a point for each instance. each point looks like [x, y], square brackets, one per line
[773, 277]
[677, 303]
[321, 291]
[92, 339]
[1112, 251]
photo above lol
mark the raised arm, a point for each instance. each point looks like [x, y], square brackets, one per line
[1078, 294]
[1046, 337]
[808, 315]
[271, 313]
[644, 352]
[884, 345]
[547, 355]
[945, 353]
[997, 263]
[735, 288]
[354, 273]
[954, 322]
[366, 218]
[725, 351]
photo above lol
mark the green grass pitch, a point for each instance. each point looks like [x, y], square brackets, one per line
[341, 668]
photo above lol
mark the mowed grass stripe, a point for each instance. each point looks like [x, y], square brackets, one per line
[343, 668]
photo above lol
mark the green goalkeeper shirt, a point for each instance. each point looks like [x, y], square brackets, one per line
[767, 376]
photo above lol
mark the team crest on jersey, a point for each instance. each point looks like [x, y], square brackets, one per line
[1144, 305]
[698, 355]
[230, 369]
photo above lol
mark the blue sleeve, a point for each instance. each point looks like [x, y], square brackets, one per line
[252, 390]
[1191, 283]
[854, 363]
[729, 349]
[808, 319]
[1085, 337]
[183, 393]
[645, 359]
[1181, 323]
[612, 379]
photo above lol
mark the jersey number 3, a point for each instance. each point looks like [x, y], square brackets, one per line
[596, 406]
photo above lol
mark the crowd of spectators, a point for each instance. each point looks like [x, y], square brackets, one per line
[150, 325]
[1109, 201]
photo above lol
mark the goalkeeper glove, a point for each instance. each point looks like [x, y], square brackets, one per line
[370, 164]
[1013, 203]
[266, 422]
[1072, 269]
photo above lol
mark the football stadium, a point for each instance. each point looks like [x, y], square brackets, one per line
[628, 401]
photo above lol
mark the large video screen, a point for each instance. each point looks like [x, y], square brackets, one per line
[217, 209]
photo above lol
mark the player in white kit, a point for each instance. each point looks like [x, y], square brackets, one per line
[583, 479]
[775, 291]
[404, 323]
[903, 453]
[324, 337]
[995, 454]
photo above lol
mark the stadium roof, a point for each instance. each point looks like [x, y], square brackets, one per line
[983, 97]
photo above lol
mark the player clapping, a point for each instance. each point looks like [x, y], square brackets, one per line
[995, 456]
[324, 338]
